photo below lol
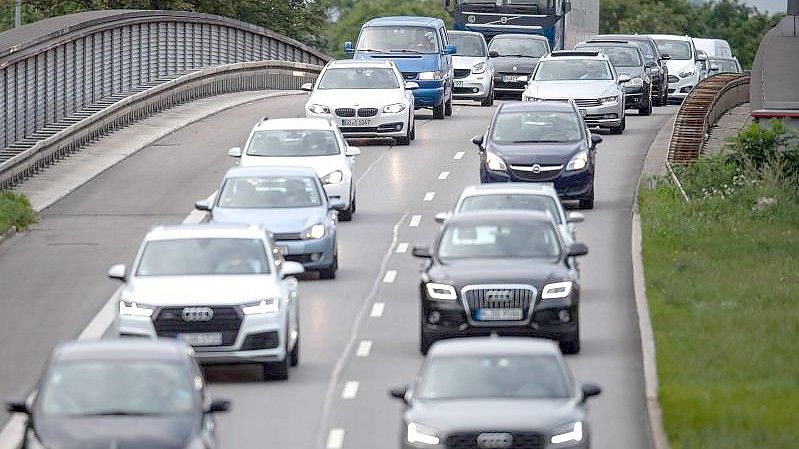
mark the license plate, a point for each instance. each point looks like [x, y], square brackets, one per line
[458, 83]
[510, 78]
[202, 339]
[500, 314]
[355, 122]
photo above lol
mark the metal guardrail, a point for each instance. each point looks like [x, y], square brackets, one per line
[237, 77]
[701, 109]
[55, 68]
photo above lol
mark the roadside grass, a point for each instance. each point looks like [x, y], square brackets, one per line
[15, 210]
[722, 282]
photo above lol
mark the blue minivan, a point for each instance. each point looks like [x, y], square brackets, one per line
[420, 48]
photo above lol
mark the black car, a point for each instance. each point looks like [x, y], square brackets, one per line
[628, 60]
[515, 57]
[133, 394]
[540, 141]
[514, 393]
[503, 272]
[659, 72]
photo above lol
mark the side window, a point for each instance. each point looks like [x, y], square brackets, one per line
[443, 37]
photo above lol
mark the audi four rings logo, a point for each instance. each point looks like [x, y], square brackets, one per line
[495, 440]
[194, 314]
[536, 168]
[498, 295]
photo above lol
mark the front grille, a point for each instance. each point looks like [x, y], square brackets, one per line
[345, 112]
[409, 75]
[264, 340]
[462, 73]
[588, 102]
[299, 258]
[227, 320]
[521, 440]
[498, 297]
[542, 176]
[287, 236]
[673, 79]
[367, 112]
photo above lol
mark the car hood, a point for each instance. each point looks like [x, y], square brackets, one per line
[460, 273]
[115, 432]
[466, 62]
[524, 66]
[572, 89]
[406, 62]
[632, 72]
[275, 220]
[470, 415]
[362, 98]
[537, 153]
[678, 65]
[322, 165]
[201, 290]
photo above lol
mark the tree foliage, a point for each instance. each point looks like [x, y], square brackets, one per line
[740, 25]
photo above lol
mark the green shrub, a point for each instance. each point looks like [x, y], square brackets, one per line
[762, 144]
[15, 210]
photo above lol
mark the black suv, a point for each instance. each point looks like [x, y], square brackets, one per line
[659, 72]
[628, 60]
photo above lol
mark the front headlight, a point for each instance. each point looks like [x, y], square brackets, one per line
[578, 161]
[479, 68]
[132, 308]
[316, 231]
[318, 109]
[261, 307]
[608, 100]
[635, 82]
[394, 108]
[441, 291]
[572, 433]
[685, 73]
[419, 434]
[495, 162]
[556, 290]
[333, 178]
[437, 75]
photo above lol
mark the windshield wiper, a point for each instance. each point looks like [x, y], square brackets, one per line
[522, 56]
[370, 50]
[537, 141]
[404, 50]
[117, 413]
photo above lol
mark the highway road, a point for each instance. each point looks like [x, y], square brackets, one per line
[359, 332]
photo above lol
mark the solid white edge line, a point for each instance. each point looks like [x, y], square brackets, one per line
[415, 220]
[459, 155]
[377, 309]
[364, 348]
[429, 196]
[390, 276]
[350, 390]
[402, 247]
[443, 175]
[335, 439]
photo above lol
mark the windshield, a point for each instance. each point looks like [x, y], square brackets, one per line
[512, 201]
[494, 376]
[508, 240]
[358, 78]
[291, 143]
[408, 39]
[619, 56]
[680, 50]
[534, 4]
[93, 388]
[203, 256]
[532, 127]
[724, 66]
[573, 69]
[521, 47]
[269, 192]
[468, 45]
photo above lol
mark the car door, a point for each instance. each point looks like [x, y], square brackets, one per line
[446, 61]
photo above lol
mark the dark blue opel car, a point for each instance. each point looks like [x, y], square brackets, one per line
[540, 141]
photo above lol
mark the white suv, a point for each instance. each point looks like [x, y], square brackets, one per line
[222, 289]
[305, 142]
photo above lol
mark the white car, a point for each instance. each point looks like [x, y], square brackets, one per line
[474, 70]
[685, 63]
[367, 99]
[222, 289]
[305, 142]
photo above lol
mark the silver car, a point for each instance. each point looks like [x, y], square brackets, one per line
[589, 79]
[222, 289]
[474, 70]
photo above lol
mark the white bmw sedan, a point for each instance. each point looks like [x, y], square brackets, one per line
[367, 99]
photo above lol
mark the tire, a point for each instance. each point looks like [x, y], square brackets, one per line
[489, 100]
[413, 128]
[438, 112]
[619, 129]
[330, 272]
[346, 214]
[647, 110]
[588, 203]
[424, 341]
[294, 356]
[570, 346]
[448, 107]
[278, 370]
[406, 139]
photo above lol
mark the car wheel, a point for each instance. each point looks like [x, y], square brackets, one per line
[406, 139]
[330, 272]
[588, 202]
[448, 107]
[619, 129]
[570, 346]
[294, 359]
[647, 110]
[438, 112]
[425, 341]
[413, 128]
[489, 100]
[346, 214]
[278, 370]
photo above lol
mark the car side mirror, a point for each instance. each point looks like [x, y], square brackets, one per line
[665, 56]
[577, 249]
[478, 140]
[411, 85]
[493, 54]
[441, 217]
[17, 407]
[291, 268]
[591, 390]
[450, 49]
[701, 56]
[422, 252]
[348, 49]
[234, 152]
[624, 78]
[352, 151]
[336, 203]
[400, 392]
[651, 65]
[596, 139]
[308, 87]
[575, 217]
[202, 205]
[117, 271]
[218, 405]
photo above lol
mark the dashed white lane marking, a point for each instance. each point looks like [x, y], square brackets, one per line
[335, 439]
[390, 276]
[350, 390]
[443, 175]
[415, 220]
[458, 155]
[402, 248]
[429, 196]
[377, 309]
[364, 348]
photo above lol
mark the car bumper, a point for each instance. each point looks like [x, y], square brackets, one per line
[259, 339]
[605, 116]
[473, 87]
[312, 254]
[384, 124]
[341, 191]
[633, 97]
[429, 94]
[501, 85]
[570, 185]
[682, 87]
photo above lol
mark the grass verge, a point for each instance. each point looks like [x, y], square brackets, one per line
[722, 282]
[15, 210]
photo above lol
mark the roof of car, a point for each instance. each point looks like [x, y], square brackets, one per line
[294, 123]
[622, 37]
[206, 231]
[600, 43]
[122, 349]
[575, 54]
[404, 20]
[380, 63]
[477, 346]
[494, 215]
[470, 33]
[544, 106]
[269, 170]
[522, 188]
[670, 37]
[526, 36]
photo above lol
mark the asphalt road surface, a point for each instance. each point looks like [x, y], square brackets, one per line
[359, 332]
